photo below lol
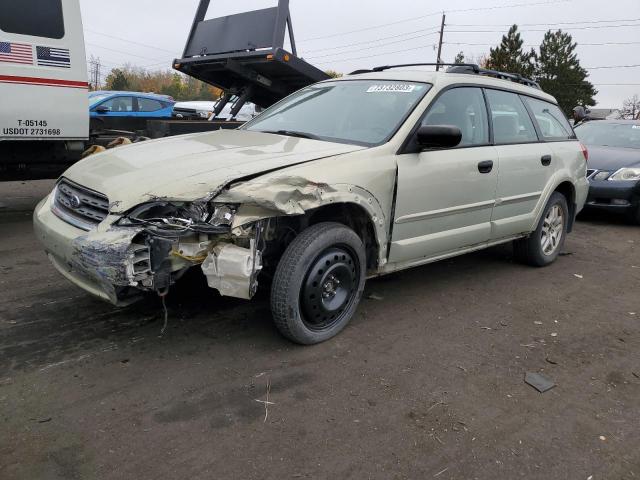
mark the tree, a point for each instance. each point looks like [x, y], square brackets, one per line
[180, 87]
[560, 74]
[459, 58]
[510, 57]
[631, 108]
[117, 80]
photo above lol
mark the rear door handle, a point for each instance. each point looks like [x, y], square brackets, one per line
[486, 166]
[546, 160]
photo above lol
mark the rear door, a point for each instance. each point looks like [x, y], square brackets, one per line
[526, 164]
[445, 196]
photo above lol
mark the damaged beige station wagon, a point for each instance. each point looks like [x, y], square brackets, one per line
[346, 179]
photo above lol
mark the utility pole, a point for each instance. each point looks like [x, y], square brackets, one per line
[94, 73]
[439, 59]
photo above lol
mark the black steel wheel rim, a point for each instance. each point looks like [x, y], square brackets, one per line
[329, 288]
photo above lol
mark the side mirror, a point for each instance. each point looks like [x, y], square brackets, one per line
[102, 109]
[439, 136]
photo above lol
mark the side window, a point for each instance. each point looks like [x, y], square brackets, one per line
[552, 122]
[463, 107]
[119, 104]
[149, 105]
[511, 121]
[40, 18]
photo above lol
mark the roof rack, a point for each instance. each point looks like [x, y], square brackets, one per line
[468, 68]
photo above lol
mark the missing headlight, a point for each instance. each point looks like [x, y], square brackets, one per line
[175, 219]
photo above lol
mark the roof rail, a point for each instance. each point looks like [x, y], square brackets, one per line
[468, 68]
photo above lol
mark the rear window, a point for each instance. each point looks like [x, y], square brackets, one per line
[149, 105]
[39, 18]
[623, 135]
[552, 122]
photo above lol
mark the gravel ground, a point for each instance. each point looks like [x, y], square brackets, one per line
[426, 382]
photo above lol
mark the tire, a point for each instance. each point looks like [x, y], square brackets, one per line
[534, 250]
[318, 283]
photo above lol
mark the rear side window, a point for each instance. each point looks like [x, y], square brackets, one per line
[552, 122]
[463, 107]
[119, 104]
[511, 121]
[39, 18]
[149, 105]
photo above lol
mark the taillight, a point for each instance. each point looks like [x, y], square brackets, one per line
[585, 152]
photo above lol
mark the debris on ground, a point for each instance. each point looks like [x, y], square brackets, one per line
[373, 296]
[539, 381]
[565, 254]
[552, 362]
[577, 275]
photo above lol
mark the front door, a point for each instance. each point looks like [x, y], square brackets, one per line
[445, 197]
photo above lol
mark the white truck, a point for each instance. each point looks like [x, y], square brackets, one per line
[44, 106]
[44, 111]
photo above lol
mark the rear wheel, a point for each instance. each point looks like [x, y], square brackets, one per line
[544, 244]
[318, 283]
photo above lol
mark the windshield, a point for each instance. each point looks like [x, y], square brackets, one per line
[625, 135]
[93, 99]
[361, 112]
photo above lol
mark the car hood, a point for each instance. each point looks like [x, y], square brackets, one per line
[197, 105]
[612, 158]
[192, 167]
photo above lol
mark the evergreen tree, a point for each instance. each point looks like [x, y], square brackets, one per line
[560, 74]
[459, 58]
[510, 57]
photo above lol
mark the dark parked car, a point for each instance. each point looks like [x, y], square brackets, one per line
[614, 165]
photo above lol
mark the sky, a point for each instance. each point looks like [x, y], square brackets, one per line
[345, 35]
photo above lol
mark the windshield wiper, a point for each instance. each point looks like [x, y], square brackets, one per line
[293, 133]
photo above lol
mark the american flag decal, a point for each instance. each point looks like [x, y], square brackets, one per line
[53, 57]
[16, 53]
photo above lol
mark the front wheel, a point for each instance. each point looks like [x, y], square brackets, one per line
[544, 244]
[318, 283]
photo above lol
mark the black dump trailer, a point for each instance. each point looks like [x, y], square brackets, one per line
[245, 56]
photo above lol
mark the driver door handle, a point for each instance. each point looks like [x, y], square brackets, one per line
[486, 166]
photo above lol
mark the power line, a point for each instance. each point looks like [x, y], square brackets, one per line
[375, 55]
[612, 66]
[348, 45]
[373, 27]
[541, 24]
[532, 45]
[547, 29]
[373, 46]
[433, 14]
[129, 41]
[120, 51]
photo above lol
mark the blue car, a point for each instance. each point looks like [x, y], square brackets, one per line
[129, 104]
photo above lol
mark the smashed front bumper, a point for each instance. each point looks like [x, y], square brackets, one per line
[117, 263]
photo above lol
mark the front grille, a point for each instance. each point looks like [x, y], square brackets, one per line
[185, 112]
[78, 205]
[590, 172]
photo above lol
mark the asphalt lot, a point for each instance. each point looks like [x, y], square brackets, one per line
[427, 381]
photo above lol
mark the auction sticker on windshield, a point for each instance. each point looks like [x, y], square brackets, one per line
[392, 88]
